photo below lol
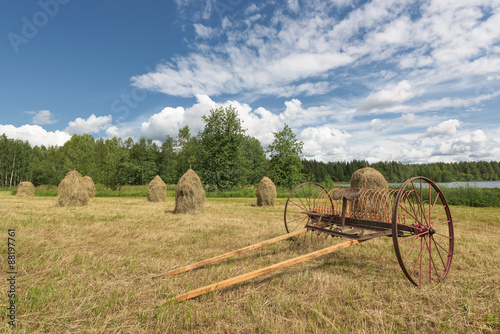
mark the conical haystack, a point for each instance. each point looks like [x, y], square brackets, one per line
[89, 186]
[71, 191]
[25, 189]
[266, 192]
[157, 190]
[368, 178]
[189, 194]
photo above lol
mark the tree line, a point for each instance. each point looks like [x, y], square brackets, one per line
[222, 154]
[395, 171]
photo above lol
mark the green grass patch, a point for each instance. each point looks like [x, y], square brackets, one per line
[125, 191]
[472, 196]
[243, 192]
[46, 191]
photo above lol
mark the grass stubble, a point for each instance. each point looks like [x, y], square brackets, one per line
[87, 270]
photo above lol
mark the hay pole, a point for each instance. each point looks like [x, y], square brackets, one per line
[260, 272]
[233, 253]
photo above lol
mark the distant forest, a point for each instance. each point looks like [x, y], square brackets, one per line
[115, 162]
[395, 171]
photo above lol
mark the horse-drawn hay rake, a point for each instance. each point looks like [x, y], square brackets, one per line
[416, 216]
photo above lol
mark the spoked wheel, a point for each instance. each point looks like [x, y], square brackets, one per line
[422, 231]
[306, 199]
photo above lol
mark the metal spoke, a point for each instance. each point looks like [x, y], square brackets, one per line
[418, 258]
[409, 250]
[437, 217]
[444, 249]
[410, 206]
[303, 207]
[304, 199]
[299, 223]
[442, 235]
[446, 222]
[439, 253]
[431, 260]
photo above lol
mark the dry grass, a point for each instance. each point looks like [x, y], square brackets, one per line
[86, 270]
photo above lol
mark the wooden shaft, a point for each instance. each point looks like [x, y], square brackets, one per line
[260, 272]
[233, 253]
[344, 210]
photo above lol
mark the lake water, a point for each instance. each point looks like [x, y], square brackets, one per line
[479, 184]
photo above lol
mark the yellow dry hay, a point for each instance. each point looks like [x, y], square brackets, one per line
[266, 192]
[71, 191]
[189, 194]
[25, 189]
[157, 190]
[368, 177]
[89, 186]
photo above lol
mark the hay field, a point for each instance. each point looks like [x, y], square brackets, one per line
[87, 270]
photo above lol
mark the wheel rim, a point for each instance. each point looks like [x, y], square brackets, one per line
[422, 231]
[307, 198]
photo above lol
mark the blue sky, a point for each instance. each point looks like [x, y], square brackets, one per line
[411, 81]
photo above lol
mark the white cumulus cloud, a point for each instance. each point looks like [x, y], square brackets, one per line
[35, 135]
[90, 125]
[387, 98]
[170, 120]
[444, 129]
[259, 123]
[324, 143]
[42, 117]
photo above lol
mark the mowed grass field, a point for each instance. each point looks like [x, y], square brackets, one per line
[88, 270]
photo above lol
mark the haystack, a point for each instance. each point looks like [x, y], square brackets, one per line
[71, 191]
[89, 186]
[25, 189]
[266, 192]
[157, 190]
[189, 194]
[368, 178]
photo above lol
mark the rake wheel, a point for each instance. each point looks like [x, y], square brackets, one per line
[422, 231]
[305, 199]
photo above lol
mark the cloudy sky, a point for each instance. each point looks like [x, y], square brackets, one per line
[413, 81]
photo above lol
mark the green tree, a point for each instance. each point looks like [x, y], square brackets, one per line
[43, 168]
[284, 152]
[220, 144]
[117, 168]
[80, 154]
[168, 161]
[16, 161]
[252, 161]
[186, 149]
[145, 155]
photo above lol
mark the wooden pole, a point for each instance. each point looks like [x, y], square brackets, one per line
[260, 272]
[233, 253]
